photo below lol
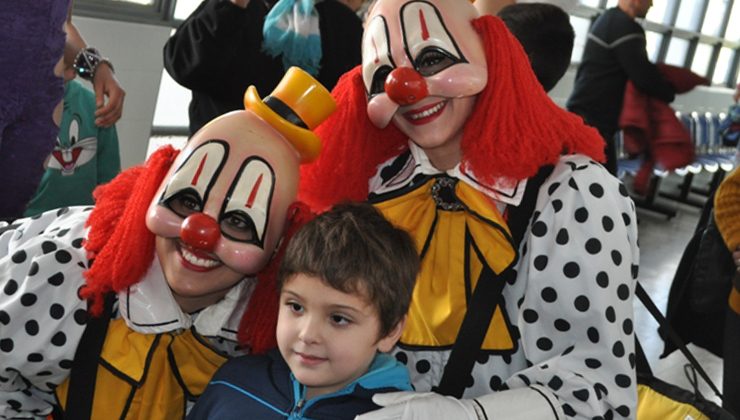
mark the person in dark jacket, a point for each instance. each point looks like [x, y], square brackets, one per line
[218, 51]
[614, 53]
[345, 287]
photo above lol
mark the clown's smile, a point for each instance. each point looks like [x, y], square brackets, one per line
[425, 114]
[196, 260]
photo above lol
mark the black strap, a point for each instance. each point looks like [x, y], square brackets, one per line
[85, 365]
[673, 336]
[486, 297]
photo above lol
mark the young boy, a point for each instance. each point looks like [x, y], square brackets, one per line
[345, 286]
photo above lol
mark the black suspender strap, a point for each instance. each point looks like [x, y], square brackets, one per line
[486, 297]
[85, 365]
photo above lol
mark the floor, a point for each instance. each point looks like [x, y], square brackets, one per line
[662, 242]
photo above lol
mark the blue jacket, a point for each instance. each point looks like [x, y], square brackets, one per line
[262, 387]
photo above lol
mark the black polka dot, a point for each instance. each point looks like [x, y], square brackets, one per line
[616, 257]
[593, 363]
[581, 215]
[602, 279]
[572, 184]
[593, 246]
[44, 373]
[28, 299]
[62, 211]
[32, 327]
[495, 383]
[568, 410]
[63, 257]
[33, 269]
[81, 316]
[567, 351]
[607, 223]
[623, 381]
[10, 287]
[623, 190]
[56, 311]
[549, 294]
[581, 394]
[59, 339]
[571, 269]
[530, 316]
[596, 190]
[48, 247]
[62, 232]
[35, 357]
[554, 186]
[65, 364]
[77, 243]
[4, 318]
[624, 411]
[15, 405]
[539, 229]
[482, 358]
[423, 366]
[611, 315]
[562, 237]
[582, 303]
[6, 345]
[631, 358]
[623, 292]
[600, 390]
[544, 344]
[555, 383]
[506, 358]
[562, 325]
[56, 279]
[635, 271]
[18, 257]
[626, 218]
[593, 334]
[540, 262]
[557, 205]
[618, 349]
[627, 326]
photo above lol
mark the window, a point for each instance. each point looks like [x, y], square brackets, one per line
[723, 66]
[144, 11]
[657, 13]
[733, 29]
[677, 50]
[184, 8]
[713, 19]
[653, 40]
[702, 56]
[580, 27]
[689, 15]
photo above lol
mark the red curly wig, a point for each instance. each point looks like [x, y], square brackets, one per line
[528, 129]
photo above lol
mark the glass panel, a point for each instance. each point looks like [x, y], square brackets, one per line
[592, 3]
[653, 40]
[713, 19]
[689, 14]
[183, 8]
[611, 3]
[657, 13]
[677, 49]
[580, 27]
[144, 2]
[171, 109]
[733, 28]
[700, 63]
[722, 66]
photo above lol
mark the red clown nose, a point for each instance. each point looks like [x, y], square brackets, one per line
[405, 86]
[200, 232]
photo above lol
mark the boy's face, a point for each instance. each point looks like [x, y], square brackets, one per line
[328, 337]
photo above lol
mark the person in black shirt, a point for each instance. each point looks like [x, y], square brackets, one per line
[217, 53]
[614, 53]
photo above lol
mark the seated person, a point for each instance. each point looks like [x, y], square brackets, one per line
[545, 32]
[85, 155]
[345, 286]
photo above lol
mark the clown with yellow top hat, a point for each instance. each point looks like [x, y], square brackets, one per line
[125, 309]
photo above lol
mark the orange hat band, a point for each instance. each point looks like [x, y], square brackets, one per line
[283, 110]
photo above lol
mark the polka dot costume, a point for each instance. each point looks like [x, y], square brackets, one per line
[570, 308]
[42, 317]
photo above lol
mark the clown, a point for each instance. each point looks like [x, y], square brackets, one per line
[176, 261]
[528, 245]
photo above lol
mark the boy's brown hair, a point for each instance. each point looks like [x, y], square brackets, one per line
[354, 249]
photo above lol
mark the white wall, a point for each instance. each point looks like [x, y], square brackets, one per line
[136, 52]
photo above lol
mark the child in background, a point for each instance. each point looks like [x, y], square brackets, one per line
[84, 156]
[345, 286]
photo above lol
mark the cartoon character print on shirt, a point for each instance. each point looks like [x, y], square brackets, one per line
[78, 149]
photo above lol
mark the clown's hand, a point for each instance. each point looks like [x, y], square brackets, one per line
[421, 406]
[530, 403]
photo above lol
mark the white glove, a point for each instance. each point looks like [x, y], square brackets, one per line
[420, 406]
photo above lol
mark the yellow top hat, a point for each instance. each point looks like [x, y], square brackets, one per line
[296, 106]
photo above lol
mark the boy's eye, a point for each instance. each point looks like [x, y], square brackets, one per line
[295, 307]
[432, 60]
[340, 320]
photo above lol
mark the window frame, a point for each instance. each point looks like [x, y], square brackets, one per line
[158, 13]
